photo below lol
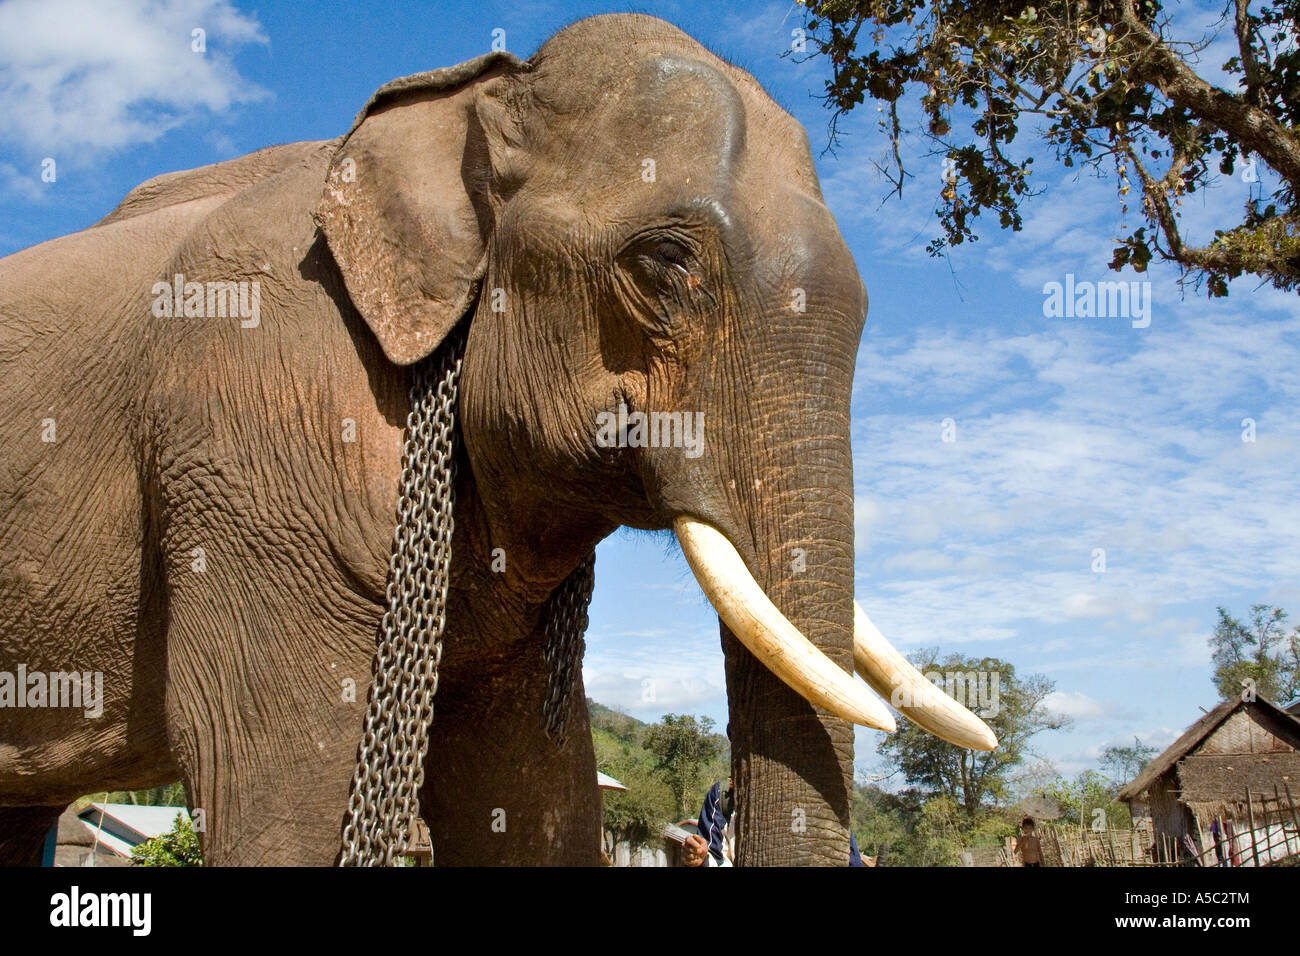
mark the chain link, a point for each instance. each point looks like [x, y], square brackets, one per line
[384, 802]
[565, 615]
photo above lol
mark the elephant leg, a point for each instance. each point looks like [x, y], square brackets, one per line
[249, 820]
[271, 774]
[498, 790]
[266, 706]
[22, 834]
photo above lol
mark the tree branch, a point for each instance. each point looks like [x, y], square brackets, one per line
[1246, 45]
[1157, 64]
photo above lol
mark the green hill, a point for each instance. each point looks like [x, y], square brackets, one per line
[649, 802]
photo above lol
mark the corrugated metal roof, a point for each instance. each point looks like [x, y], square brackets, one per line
[606, 782]
[114, 843]
[146, 821]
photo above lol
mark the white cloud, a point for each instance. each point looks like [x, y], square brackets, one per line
[1075, 435]
[663, 659]
[647, 697]
[649, 675]
[933, 561]
[1135, 449]
[25, 185]
[81, 77]
[865, 515]
[1075, 705]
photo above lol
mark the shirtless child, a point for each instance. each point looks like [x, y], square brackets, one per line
[1026, 846]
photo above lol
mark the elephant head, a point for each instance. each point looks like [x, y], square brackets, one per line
[632, 227]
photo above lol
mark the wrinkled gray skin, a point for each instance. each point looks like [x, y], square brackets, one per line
[182, 433]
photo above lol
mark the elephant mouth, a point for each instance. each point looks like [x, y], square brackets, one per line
[761, 627]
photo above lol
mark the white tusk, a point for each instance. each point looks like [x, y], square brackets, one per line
[765, 631]
[890, 673]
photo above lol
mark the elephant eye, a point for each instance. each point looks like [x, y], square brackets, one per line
[663, 274]
[672, 252]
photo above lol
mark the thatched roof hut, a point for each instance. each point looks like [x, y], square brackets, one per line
[1237, 748]
[76, 844]
[1040, 808]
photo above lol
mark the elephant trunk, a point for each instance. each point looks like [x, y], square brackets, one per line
[766, 523]
[792, 761]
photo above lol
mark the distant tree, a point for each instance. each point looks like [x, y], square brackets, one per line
[1102, 82]
[970, 778]
[179, 846]
[880, 823]
[1125, 763]
[940, 833]
[1081, 798]
[639, 813]
[992, 829]
[684, 748]
[1031, 777]
[171, 795]
[922, 829]
[1260, 651]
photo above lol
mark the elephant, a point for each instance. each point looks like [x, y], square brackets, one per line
[197, 504]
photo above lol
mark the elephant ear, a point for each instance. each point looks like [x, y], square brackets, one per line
[403, 208]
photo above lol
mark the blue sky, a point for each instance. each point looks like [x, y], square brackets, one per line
[1072, 434]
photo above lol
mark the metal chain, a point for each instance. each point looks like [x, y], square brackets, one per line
[566, 622]
[384, 802]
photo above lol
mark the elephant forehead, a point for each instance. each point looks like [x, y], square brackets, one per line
[708, 99]
[674, 117]
[664, 73]
[682, 101]
[670, 119]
